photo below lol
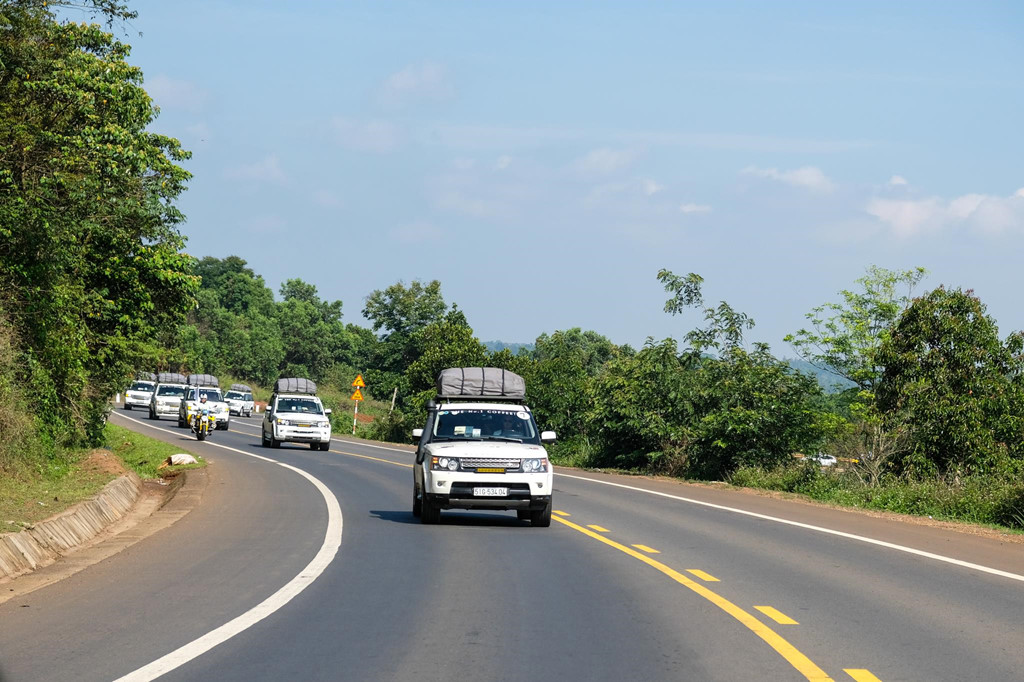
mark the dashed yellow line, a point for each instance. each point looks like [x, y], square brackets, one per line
[861, 675]
[803, 665]
[375, 459]
[562, 513]
[776, 615]
[599, 529]
[706, 577]
[645, 548]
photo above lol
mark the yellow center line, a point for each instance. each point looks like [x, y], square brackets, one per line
[776, 615]
[375, 459]
[599, 529]
[803, 665]
[645, 548]
[861, 675]
[706, 577]
[562, 513]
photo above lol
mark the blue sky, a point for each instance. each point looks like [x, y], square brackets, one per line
[545, 159]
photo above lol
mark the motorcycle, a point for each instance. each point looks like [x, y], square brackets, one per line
[203, 422]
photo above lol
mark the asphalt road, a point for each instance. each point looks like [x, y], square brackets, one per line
[655, 581]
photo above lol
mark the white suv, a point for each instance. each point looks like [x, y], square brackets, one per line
[218, 408]
[170, 389]
[239, 400]
[296, 418]
[139, 394]
[482, 455]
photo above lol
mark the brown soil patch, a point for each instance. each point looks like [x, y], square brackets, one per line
[364, 418]
[102, 461]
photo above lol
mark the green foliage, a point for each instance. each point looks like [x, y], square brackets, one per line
[955, 384]
[439, 345]
[845, 337]
[89, 248]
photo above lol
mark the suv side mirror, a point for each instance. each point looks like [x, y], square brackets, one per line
[417, 433]
[327, 410]
[547, 437]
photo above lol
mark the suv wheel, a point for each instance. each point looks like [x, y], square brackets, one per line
[324, 447]
[541, 518]
[417, 503]
[428, 512]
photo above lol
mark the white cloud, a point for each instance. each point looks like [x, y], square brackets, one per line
[1019, 193]
[463, 164]
[695, 208]
[367, 136]
[171, 93]
[416, 232]
[808, 177]
[605, 160]
[503, 162]
[980, 212]
[267, 169]
[426, 80]
[897, 181]
[651, 187]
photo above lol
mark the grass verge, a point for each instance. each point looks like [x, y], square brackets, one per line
[28, 496]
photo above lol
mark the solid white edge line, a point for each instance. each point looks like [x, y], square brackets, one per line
[328, 550]
[819, 529]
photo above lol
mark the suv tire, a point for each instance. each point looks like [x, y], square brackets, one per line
[541, 518]
[429, 513]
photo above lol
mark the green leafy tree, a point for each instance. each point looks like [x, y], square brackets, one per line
[958, 388]
[845, 337]
[446, 343]
[90, 253]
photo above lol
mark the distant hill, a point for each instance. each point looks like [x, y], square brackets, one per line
[828, 381]
[497, 346]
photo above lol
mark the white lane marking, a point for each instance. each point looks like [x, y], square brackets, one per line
[328, 550]
[819, 529]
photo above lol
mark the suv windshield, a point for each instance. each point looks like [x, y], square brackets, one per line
[140, 386]
[173, 391]
[212, 394]
[485, 424]
[234, 395]
[302, 405]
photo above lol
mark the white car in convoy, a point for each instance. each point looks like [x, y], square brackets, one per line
[170, 389]
[214, 401]
[139, 394]
[239, 400]
[481, 449]
[296, 415]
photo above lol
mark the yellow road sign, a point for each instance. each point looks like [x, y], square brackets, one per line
[357, 395]
[359, 383]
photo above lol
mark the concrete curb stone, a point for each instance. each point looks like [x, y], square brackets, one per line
[48, 540]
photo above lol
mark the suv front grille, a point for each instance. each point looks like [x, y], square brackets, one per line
[489, 463]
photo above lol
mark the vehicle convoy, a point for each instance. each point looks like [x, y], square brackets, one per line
[140, 393]
[170, 389]
[203, 420]
[296, 415]
[481, 449]
[200, 385]
[239, 400]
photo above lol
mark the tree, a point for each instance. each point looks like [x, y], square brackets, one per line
[91, 267]
[958, 388]
[402, 310]
[845, 337]
[446, 343]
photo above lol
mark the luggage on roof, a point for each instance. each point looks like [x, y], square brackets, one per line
[145, 376]
[203, 380]
[294, 385]
[480, 382]
[241, 388]
[170, 378]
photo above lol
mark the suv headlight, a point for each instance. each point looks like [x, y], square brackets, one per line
[284, 422]
[532, 466]
[444, 463]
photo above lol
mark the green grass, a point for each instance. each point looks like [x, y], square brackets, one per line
[143, 454]
[30, 495]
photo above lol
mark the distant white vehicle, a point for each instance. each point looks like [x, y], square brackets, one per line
[296, 415]
[239, 400]
[139, 394]
[199, 385]
[166, 398]
[823, 459]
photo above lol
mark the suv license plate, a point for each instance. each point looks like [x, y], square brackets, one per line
[490, 492]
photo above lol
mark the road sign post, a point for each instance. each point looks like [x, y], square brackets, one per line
[357, 396]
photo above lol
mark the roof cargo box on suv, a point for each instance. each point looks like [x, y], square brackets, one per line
[480, 382]
[170, 378]
[241, 388]
[294, 385]
[203, 380]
